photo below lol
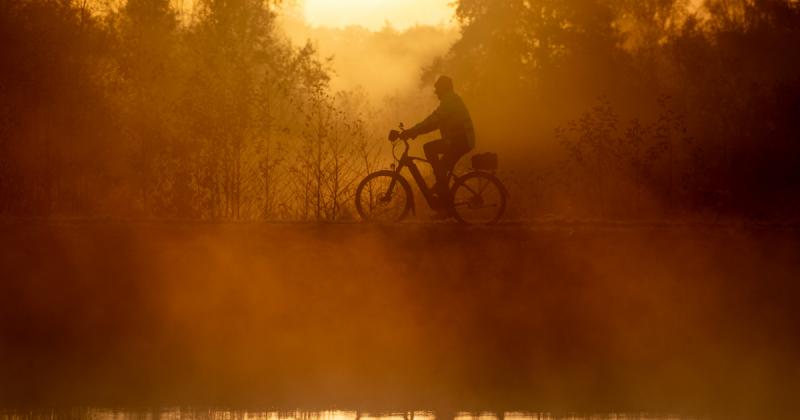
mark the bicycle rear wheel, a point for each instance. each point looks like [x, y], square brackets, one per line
[383, 197]
[478, 198]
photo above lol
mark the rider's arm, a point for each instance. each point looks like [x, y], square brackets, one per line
[433, 122]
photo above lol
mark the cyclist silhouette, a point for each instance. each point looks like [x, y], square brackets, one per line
[453, 121]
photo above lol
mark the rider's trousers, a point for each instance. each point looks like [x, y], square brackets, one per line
[443, 156]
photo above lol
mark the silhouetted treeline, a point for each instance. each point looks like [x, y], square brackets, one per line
[141, 111]
[659, 106]
[599, 108]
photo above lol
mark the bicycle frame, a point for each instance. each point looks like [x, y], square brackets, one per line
[406, 161]
[460, 189]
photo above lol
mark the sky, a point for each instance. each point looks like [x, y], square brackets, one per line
[382, 62]
[373, 14]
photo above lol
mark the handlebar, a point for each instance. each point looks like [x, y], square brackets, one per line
[394, 136]
[405, 150]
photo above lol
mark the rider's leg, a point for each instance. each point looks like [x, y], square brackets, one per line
[432, 151]
[451, 156]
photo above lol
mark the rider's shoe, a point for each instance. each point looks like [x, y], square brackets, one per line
[440, 215]
[436, 202]
[439, 201]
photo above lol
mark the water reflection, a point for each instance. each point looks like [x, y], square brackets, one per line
[170, 414]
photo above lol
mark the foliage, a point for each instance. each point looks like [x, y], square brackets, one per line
[730, 68]
[142, 113]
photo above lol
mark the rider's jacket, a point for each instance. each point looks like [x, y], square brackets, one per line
[452, 119]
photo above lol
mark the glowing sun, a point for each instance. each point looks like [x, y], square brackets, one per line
[373, 14]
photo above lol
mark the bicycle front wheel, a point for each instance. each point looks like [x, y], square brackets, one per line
[383, 197]
[478, 198]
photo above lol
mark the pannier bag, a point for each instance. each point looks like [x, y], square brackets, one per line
[485, 162]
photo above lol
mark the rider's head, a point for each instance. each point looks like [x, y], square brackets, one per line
[443, 86]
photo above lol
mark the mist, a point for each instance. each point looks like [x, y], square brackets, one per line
[398, 319]
[383, 63]
[179, 223]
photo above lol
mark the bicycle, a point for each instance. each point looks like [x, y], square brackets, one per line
[477, 197]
